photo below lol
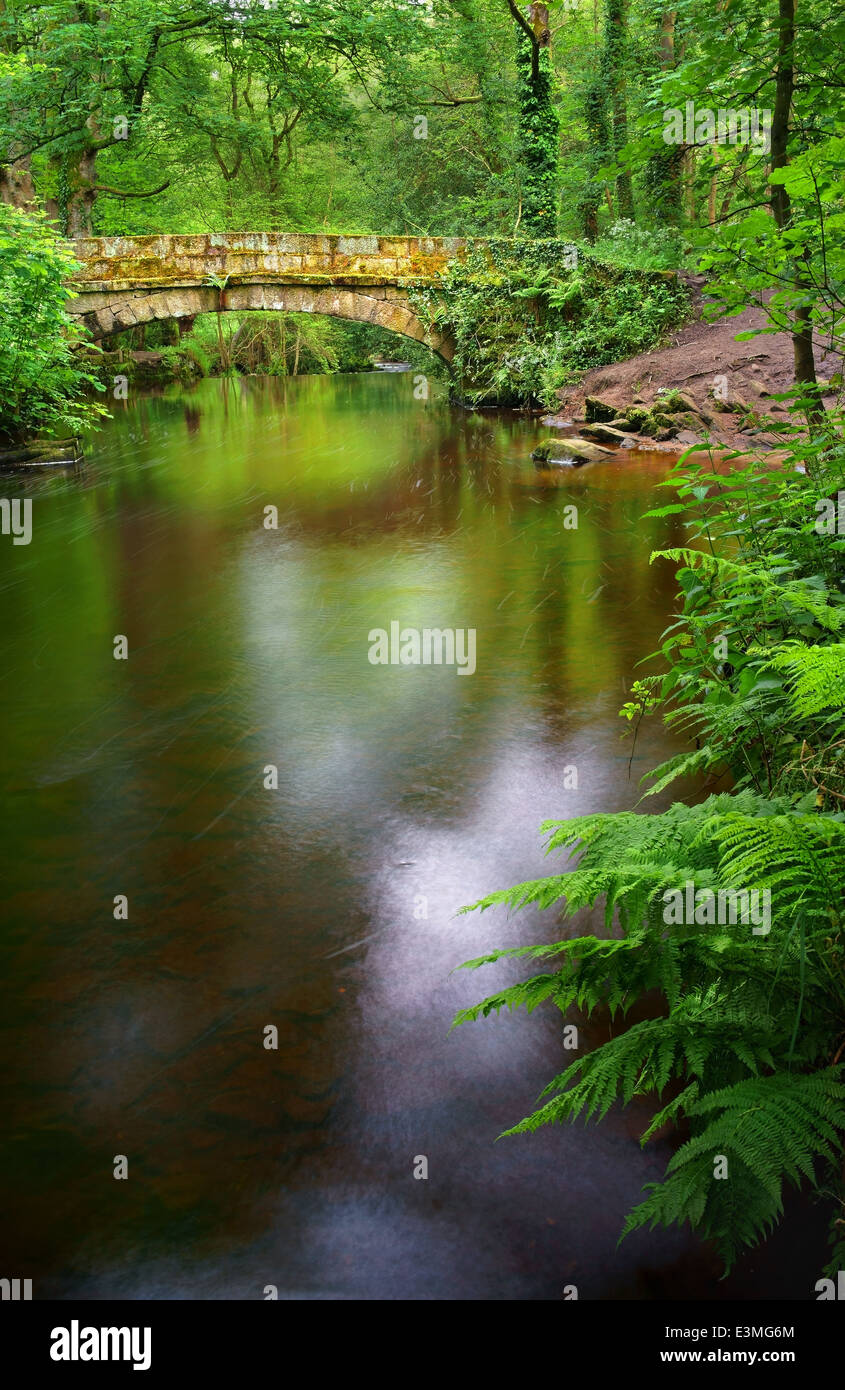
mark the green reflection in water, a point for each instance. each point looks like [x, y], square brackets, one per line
[248, 647]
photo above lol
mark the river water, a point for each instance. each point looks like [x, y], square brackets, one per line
[325, 906]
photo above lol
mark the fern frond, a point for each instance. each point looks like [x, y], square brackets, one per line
[769, 1130]
[817, 677]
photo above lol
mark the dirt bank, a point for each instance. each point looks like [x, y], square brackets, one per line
[751, 373]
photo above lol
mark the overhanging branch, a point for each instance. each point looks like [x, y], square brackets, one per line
[129, 192]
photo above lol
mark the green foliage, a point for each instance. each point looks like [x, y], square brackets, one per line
[264, 344]
[768, 1129]
[816, 677]
[626, 243]
[539, 134]
[258, 116]
[749, 1041]
[41, 379]
[756, 657]
[583, 315]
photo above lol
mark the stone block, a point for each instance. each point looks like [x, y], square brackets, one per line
[357, 245]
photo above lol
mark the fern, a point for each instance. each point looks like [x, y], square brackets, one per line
[803, 594]
[768, 1130]
[750, 1038]
[817, 675]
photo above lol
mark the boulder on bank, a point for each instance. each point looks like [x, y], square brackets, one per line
[608, 434]
[671, 412]
[569, 451]
[680, 405]
[691, 420]
[635, 417]
[598, 411]
[673, 415]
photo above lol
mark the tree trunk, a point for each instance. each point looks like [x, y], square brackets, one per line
[598, 136]
[802, 331]
[80, 205]
[804, 357]
[539, 126]
[616, 47]
[664, 172]
[667, 40]
[16, 186]
[714, 178]
[689, 161]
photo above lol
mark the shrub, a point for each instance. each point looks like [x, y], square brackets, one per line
[42, 381]
[527, 317]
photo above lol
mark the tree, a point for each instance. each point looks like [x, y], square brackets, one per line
[538, 122]
[42, 381]
[802, 326]
[614, 76]
[82, 81]
[664, 170]
[76, 79]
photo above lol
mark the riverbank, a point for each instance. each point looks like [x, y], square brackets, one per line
[733, 386]
[732, 393]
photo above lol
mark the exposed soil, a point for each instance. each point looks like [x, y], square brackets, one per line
[755, 371]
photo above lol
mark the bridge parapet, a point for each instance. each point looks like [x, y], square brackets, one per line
[157, 262]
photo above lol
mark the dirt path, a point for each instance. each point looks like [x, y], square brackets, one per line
[698, 354]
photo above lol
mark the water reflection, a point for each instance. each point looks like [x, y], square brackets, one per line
[324, 906]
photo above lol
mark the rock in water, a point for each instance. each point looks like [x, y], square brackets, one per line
[610, 434]
[541, 453]
[568, 451]
[41, 453]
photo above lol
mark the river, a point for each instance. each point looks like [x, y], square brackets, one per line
[323, 906]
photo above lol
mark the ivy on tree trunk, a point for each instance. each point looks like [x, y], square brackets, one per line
[539, 126]
[598, 133]
[664, 170]
[615, 51]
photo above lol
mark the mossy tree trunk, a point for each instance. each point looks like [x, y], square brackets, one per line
[615, 56]
[664, 171]
[802, 328]
[598, 137]
[539, 125]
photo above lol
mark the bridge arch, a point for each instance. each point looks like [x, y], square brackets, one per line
[125, 281]
[387, 307]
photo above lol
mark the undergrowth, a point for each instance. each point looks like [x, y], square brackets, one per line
[745, 1062]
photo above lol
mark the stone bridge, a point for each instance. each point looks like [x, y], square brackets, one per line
[130, 280]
